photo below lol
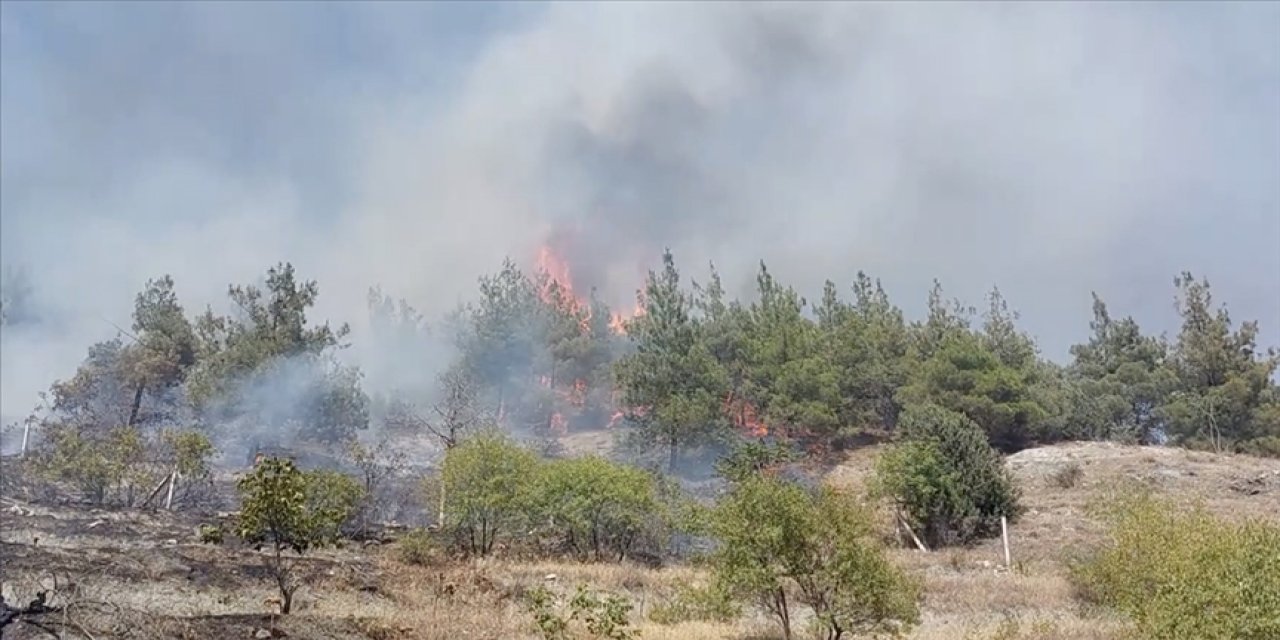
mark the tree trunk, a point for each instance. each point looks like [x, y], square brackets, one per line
[440, 515]
[780, 597]
[137, 403]
[671, 461]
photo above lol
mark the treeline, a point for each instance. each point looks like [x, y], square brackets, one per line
[700, 364]
[691, 368]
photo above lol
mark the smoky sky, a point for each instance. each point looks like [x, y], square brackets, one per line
[1049, 149]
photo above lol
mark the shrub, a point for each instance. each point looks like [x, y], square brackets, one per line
[600, 507]
[752, 458]
[1185, 575]
[950, 485]
[122, 463]
[1068, 476]
[485, 480]
[781, 544]
[285, 508]
[210, 534]
[98, 465]
[590, 614]
[417, 547]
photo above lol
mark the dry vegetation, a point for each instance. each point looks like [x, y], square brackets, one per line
[145, 575]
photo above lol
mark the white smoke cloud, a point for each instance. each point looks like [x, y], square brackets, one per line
[1050, 149]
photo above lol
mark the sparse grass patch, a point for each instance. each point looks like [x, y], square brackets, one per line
[1068, 476]
[708, 603]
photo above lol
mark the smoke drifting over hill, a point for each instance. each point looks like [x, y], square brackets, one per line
[1052, 150]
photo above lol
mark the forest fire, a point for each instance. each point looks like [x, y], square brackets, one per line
[556, 289]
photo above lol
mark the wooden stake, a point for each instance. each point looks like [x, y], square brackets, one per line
[168, 502]
[1004, 534]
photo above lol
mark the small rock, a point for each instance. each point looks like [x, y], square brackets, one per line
[95, 523]
[551, 577]
[262, 634]
[171, 542]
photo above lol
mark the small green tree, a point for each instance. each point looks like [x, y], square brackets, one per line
[949, 484]
[600, 507]
[781, 544]
[487, 479]
[287, 509]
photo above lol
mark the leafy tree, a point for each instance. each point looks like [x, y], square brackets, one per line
[955, 367]
[499, 341]
[791, 381]
[948, 483]
[269, 325]
[781, 544]
[288, 509]
[671, 385]
[98, 397]
[267, 350]
[600, 507]
[944, 323]
[867, 342]
[1123, 381]
[1224, 384]
[487, 480]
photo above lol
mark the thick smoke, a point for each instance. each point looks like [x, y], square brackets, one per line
[1050, 149]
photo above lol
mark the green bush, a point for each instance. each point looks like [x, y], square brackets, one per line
[210, 534]
[1185, 575]
[417, 547]
[949, 484]
[782, 545]
[486, 484]
[599, 507]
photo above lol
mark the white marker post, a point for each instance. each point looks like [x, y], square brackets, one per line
[1004, 534]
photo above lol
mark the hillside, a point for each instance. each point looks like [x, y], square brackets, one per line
[145, 575]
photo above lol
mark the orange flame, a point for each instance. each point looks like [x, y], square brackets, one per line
[745, 417]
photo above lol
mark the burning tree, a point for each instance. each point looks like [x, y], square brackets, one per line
[540, 352]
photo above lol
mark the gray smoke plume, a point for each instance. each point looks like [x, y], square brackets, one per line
[1050, 149]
